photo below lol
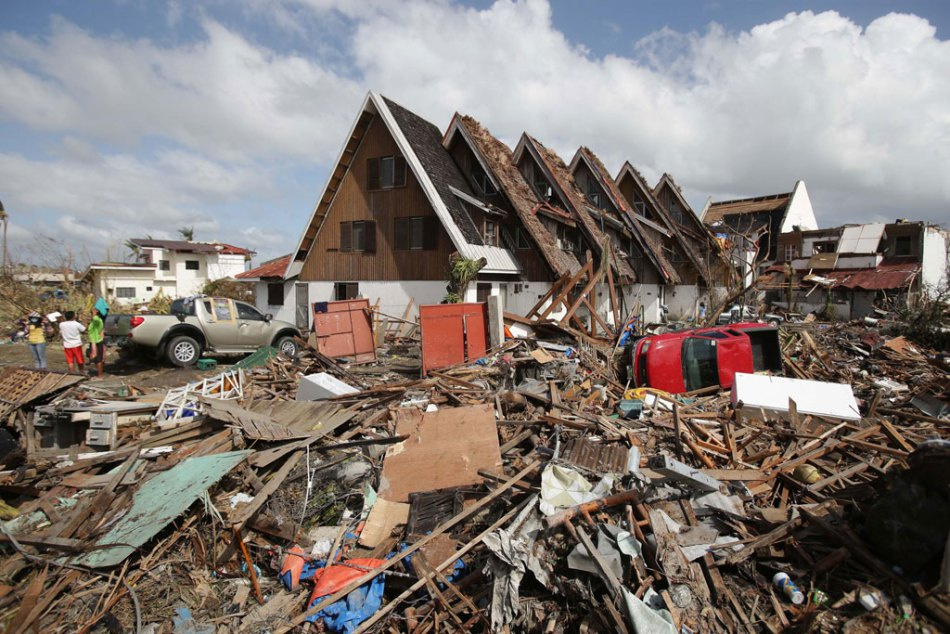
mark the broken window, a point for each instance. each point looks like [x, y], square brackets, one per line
[481, 181]
[491, 233]
[639, 205]
[275, 294]
[515, 238]
[164, 265]
[902, 245]
[676, 211]
[385, 172]
[416, 233]
[567, 239]
[700, 364]
[791, 252]
[346, 290]
[358, 236]
[829, 246]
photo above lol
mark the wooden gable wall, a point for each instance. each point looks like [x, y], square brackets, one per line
[353, 202]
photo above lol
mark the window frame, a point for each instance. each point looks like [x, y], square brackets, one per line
[164, 265]
[258, 315]
[273, 287]
[189, 267]
[121, 292]
[374, 172]
[366, 231]
[903, 240]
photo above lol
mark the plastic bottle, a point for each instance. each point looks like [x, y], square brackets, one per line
[786, 585]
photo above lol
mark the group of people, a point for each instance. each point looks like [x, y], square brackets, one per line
[38, 328]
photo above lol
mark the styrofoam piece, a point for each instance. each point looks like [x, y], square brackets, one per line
[771, 393]
[316, 387]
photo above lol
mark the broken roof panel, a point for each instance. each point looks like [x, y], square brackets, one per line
[272, 269]
[774, 204]
[559, 175]
[861, 238]
[496, 158]
[156, 504]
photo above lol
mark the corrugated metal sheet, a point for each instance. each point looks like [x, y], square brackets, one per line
[345, 329]
[883, 277]
[452, 333]
[499, 260]
[157, 502]
[597, 457]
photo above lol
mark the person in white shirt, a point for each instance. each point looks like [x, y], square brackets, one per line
[71, 331]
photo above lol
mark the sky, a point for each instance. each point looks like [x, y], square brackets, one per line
[132, 118]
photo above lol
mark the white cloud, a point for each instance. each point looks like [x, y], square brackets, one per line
[203, 127]
[222, 95]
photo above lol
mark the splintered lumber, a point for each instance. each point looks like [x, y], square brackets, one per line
[246, 512]
[471, 510]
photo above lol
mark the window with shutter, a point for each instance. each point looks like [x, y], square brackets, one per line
[369, 237]
[385, 172]
[399, 172]
[401, 234]
[372, 174]
[346, 236]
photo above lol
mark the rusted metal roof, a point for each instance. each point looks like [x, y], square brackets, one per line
[597, 457]
[769, 204]
[886, 276]
[273, 269]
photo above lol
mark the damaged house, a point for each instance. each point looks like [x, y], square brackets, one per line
[748, 229]
[402, 198]
[850, 270]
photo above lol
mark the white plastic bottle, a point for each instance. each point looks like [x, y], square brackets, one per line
[784, 583]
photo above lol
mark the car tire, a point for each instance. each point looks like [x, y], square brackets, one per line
[288, 346]
[183, 351]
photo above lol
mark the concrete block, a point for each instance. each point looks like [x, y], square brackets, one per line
[316, 387]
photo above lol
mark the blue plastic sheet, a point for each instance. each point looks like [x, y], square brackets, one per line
[346, 616]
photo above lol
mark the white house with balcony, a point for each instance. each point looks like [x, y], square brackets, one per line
[176, 268]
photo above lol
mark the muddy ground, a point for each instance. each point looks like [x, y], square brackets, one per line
[127, 369]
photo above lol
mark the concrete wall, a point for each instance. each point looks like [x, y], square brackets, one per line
[283, 312]
[935, 267]
[107, 281]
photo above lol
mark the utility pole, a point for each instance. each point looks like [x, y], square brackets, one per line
[6, 261]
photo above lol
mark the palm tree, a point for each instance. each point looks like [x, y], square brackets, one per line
[187, 233]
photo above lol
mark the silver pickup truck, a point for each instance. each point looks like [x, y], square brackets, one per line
[203, 324]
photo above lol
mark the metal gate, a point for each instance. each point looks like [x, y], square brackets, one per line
[452, 333]
[345, 329]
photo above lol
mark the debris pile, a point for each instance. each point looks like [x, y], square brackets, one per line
[527, 490]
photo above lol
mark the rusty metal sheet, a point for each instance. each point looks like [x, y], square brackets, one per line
[345, 329]
[452, 333]
[597, 457]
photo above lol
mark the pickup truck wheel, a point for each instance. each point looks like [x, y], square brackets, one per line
[774, 322]
[183, 351]
[287, 345]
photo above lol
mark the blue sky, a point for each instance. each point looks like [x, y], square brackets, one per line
[126, 118]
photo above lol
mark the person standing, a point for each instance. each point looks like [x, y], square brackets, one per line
[97, 347]
[71, 332]
[36, 339]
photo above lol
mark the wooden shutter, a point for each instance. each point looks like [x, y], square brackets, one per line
[369, 236]
[401, 234]
[372, 173]
[346, 236]
[430, 235]
[399, 171]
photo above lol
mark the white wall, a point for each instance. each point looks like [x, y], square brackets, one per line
[283, 312]
[935, 265]
[221, 265]
[107, 281]
[800, 212]
[393, 296]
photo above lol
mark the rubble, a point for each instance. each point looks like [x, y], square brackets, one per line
[525, 490]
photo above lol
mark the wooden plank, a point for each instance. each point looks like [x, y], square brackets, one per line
[245, 513]
[369, 576]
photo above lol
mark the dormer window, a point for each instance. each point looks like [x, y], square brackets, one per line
[639, 205]
[545, 192]
[677, 212]
[482, 182]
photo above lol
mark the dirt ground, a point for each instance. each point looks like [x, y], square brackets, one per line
[129, 370]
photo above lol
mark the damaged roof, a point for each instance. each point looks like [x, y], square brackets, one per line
[272, 269]
[560, 177]
[649, 239]
[496, 158]
[759, 206]
[185, 246]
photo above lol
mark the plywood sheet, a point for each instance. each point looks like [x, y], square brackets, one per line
[383, 519]
[444, 449]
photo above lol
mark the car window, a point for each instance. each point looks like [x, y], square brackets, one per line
[222, 310]
[700, 367]
[246, 311]
[182, 307]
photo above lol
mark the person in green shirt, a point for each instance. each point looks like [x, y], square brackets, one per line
[97, 347]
